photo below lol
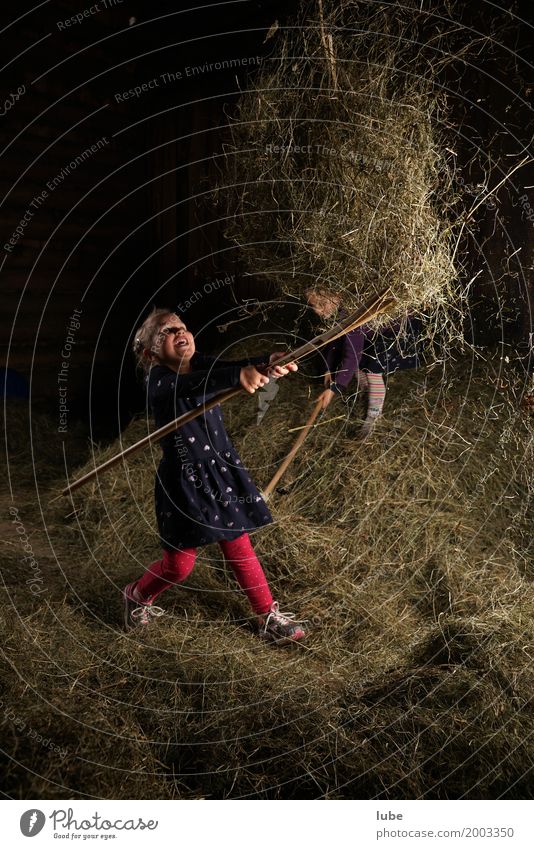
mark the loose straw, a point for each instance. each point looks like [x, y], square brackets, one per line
[319, 424]
[291, 455]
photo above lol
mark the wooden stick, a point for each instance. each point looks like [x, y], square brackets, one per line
[364, 314]
[152, 437]
[295, 447]
[374, 307]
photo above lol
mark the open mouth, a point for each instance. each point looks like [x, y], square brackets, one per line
[181, 343]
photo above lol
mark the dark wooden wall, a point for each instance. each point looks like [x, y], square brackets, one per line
[494, 121]
[79, 248]
[128, 226]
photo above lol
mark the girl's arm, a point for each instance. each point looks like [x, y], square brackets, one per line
[350, 359]
[205, 361]
[342, 370]
[164, 383]
[268, 361]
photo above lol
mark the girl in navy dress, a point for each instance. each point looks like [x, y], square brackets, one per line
[203, 493]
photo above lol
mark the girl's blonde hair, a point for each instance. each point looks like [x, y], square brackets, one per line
[323, 292]
[145, 336]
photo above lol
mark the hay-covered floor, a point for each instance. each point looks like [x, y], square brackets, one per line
[410, 553]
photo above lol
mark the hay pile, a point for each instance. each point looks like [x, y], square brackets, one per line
[32, 446]
[411, 554]
[338, 171]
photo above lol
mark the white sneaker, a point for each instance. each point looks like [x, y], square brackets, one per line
[136, 613]
[368, 424]
[279, 627]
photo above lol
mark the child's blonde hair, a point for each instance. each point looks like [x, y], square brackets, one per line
[323, 292]
[145, 336]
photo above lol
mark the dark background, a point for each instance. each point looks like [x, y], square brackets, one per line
[133, 224]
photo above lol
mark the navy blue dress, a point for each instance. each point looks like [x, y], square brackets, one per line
[387, 350]
[203, 492]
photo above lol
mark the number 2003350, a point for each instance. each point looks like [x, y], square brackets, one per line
[489, 831]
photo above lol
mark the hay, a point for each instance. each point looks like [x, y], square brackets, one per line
[32, 447]
[338, 172]
[411, 555]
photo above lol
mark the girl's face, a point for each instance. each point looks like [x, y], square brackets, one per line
[174, 345]
[322, 304]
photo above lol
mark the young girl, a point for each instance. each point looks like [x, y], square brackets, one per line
[365, 353]
[203, 493]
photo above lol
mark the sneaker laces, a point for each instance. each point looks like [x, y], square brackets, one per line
[276, 615]
[146, 612]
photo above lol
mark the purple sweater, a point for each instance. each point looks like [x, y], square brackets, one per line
[343, 356]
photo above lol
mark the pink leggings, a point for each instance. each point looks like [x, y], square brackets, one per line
[177, 565]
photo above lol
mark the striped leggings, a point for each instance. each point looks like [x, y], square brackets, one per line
[376, 387]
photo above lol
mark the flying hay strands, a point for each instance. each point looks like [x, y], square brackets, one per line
[337, 174]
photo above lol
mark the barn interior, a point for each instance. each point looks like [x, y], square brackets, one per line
[117, 118]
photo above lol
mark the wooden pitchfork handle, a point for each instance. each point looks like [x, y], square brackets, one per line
[372, 308]
[295, 447]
